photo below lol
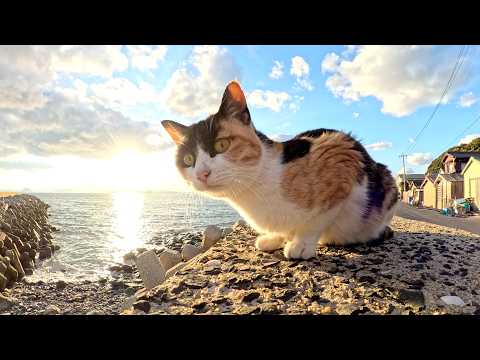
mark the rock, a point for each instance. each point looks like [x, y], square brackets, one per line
[173, 270]
[227, 231]
[213, 264]
[453, 300]
[56, 247]
[3, 282]
[169, 258]
[141, 251]
[240, 223]
[130, 256]
[6, 303]
[189, 251]
[28, 271]
[3, 268]
[11, 274]
[61, 285]
[150, 269]
[211, 235]
[251, 296]
[411, 297]
[15, 261]
[142, 305]
[128, 303]
[52, 310]
[44, 253]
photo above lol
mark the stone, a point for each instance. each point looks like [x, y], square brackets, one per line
[240, 223]
[44, 253]
[411, 297]
[169, 258]
[11, 274]
[6, 303]
[227, 231]
[453, 300]
[28, 271]
[142, 305]
[150, 269]
[61, 285]
[189, 251]
[52, 310]
[3, 268]
[15, 261]
[95, 312]
[213, 264]
[130, 256]
[211, 235]
[128, 303]
[3, 282]
[173, 270]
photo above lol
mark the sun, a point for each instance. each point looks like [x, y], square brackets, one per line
[127, 170]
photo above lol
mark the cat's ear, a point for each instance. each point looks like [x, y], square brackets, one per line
[234, 103]
[176, 131]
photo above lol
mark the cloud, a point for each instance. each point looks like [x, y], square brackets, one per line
[300, 69]
[468, 139]
[23, 165]
[70, 127]
[356, 115]
[281, 137]
[419, 158]
[411, 140]
[197, 86]
[330, 62]
[381, 145]
[403, 78]
[277, 70]
[144, 57]
[407, 171]
[273, 100]
[27, 73]
[295, 103]
[119, 92]
[468, 99]
[100, 60]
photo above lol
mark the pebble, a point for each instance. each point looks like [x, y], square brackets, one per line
[211, 235]
[130, 256]
[52, 310]
[6, 303]
[453, 300]
[61, 285]
[173, 270]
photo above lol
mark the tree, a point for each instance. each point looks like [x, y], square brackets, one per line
[436, 164]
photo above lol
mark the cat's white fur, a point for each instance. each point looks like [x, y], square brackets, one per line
[255, 192]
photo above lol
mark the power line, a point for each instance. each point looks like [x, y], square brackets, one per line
[477, 119]
[454, 73]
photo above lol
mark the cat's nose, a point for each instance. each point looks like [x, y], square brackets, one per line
[203, 175]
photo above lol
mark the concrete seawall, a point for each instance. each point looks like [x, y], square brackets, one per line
[25, 237]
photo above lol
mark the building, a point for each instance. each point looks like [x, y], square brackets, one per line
[455, 162]
[415, 192]
[429, 190]
[448, 188]
[411, 179]
[471, 178]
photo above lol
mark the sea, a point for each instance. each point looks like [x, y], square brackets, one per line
[97, 230]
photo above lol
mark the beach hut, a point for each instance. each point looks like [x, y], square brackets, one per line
[448, 188]
[429, 190]
[471, 178]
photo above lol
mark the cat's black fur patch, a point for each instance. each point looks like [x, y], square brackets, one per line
[263, 138]
[295, 149]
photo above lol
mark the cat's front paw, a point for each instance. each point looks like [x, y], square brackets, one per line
[269, 242]
[299, 250]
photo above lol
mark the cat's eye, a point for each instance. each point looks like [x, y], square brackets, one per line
[188, 159]
[222, 145]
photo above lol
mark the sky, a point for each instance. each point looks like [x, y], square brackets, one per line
[83, 118]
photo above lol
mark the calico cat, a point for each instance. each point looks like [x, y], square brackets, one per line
[319, 187]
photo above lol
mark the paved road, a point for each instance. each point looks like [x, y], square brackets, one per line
[471, 224]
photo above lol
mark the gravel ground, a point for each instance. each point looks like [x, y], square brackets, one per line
[408, 274]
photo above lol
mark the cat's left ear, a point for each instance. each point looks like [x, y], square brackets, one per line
[176, 130]
[234, 103]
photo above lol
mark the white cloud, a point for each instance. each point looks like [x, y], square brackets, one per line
[300, 69]
[100, 60]
[330, 62]
[468, 139]
[192, 93]
[280, 137]
[420, 158]
[119, 92]
[468, 99]
[277, 70]
[356, 115]
[411, 140]
[295, 103]
[272, 100]
[407, 171]
[381, 145]
[144, 57]
[403, 78]
[28, 73]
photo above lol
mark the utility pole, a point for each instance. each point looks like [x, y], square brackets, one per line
[403, 156]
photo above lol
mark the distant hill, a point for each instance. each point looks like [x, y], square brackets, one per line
[436, 164]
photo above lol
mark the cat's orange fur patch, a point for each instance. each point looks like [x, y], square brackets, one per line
[326, 175]
[245, 147]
